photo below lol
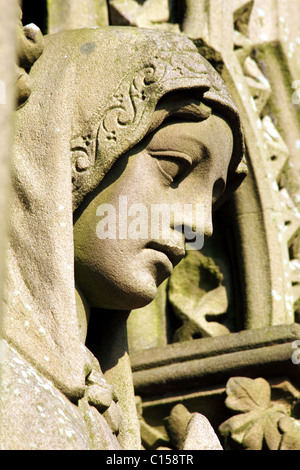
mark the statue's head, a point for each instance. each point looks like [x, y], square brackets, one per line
[115, 116]
[162, 151]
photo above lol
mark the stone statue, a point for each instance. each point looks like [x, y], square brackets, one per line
[115, 115]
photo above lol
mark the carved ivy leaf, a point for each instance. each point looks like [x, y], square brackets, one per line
[196, 294]
[244, 394]
[238, 426]
[257, 423]
[291, 437]
[253, 439]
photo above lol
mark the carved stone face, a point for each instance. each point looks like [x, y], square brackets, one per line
[180, 163]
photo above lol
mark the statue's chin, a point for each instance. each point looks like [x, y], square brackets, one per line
[129, 299]
[127, 285]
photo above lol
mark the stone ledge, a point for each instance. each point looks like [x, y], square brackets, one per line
[212, 361]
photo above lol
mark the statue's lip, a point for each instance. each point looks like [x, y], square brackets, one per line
[174, 251]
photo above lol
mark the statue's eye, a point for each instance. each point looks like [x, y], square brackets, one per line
[173, 166]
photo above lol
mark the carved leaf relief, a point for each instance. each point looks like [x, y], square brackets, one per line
[291, 429]
[197, 296]
[261, 422]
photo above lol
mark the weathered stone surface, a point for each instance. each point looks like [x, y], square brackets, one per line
[72, 14]
[253, 44]
[48, 420]
[200, 435]
[48, 311]
[190, 431]
[177, 425]
[34, 414]
[8, 26]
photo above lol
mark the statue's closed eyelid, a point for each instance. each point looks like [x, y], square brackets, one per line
[171, 154]
[171, 163]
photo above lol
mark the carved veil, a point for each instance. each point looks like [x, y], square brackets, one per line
[94, 92]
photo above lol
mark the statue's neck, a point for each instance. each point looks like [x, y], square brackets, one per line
[112, 352]
[105, 334]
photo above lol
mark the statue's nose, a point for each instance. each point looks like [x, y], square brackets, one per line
[195, 219]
